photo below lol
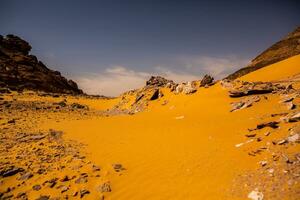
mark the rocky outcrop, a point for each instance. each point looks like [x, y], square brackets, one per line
[159, 81]
[207, 80]
[19, 70]
[285, 48]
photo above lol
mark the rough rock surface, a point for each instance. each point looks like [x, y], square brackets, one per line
[285, 48]
[206, 80]
[158, 81]
[19, 70]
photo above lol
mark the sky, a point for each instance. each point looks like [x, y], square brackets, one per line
[109, 47]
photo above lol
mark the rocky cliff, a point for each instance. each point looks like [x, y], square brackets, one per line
[19, 70]
[285, 48]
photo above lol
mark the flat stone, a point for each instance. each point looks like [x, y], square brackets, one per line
[83, 193]
[293, 138]
[281, 142]
[11, 171]
[43, 197]
[64, 189]
[105, 187]
[250, 135]
[118, 167]
[81, 180]
[26, 176]
[36, 187]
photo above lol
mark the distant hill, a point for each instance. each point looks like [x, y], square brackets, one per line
[19, 70]
[285, 48]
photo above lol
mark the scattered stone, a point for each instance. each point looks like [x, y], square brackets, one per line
[244, 103]
[44, 197]
[287, 99]
[54, 134]
[77, 106]
[52, 182]
[118, 167]
[12, 121]
[267, 133]
[273, 125]
[290, 106]
[263, 163]
[250, 135]
[65, 178]
[281, 142]
[64, 189]
[21, 195]
[61, 103]
[36, 187]
[12, 170]
[237, 106]
[256, 195]
[241, 93]
[294, 118]
[81, 179]
[26, 176]
[83, 192]
[293, 138]
[95, 168]
[105, 187]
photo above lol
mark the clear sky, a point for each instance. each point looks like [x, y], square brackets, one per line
[112, 46]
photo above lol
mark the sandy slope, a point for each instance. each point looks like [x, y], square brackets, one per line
[182, 150]
[277, 71]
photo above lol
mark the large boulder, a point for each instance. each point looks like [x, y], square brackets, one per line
[206, 80]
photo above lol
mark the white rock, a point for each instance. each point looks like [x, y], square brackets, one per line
[256, 195]
[293, 138]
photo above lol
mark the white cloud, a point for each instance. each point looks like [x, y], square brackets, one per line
[118, 79]
[219, 67]
[112, 81]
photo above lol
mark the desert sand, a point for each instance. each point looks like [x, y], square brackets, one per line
[179, 146]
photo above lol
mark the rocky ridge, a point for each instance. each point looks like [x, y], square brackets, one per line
[137, 100]
[285, 48]
[19, 70]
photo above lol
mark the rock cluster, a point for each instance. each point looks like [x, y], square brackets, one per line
[44, 159]
[19, 70]
[272, 140]
[159, 81]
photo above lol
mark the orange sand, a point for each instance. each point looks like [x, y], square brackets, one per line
[182, 150]
[191, 157]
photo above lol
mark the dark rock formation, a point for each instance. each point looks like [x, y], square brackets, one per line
[158, 81]
[207, 80]
[19, 70]
[285, 48]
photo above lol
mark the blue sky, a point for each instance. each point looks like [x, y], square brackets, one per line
[112, 46]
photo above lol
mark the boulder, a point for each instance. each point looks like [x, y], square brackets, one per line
[158, 81]
[206, 80]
